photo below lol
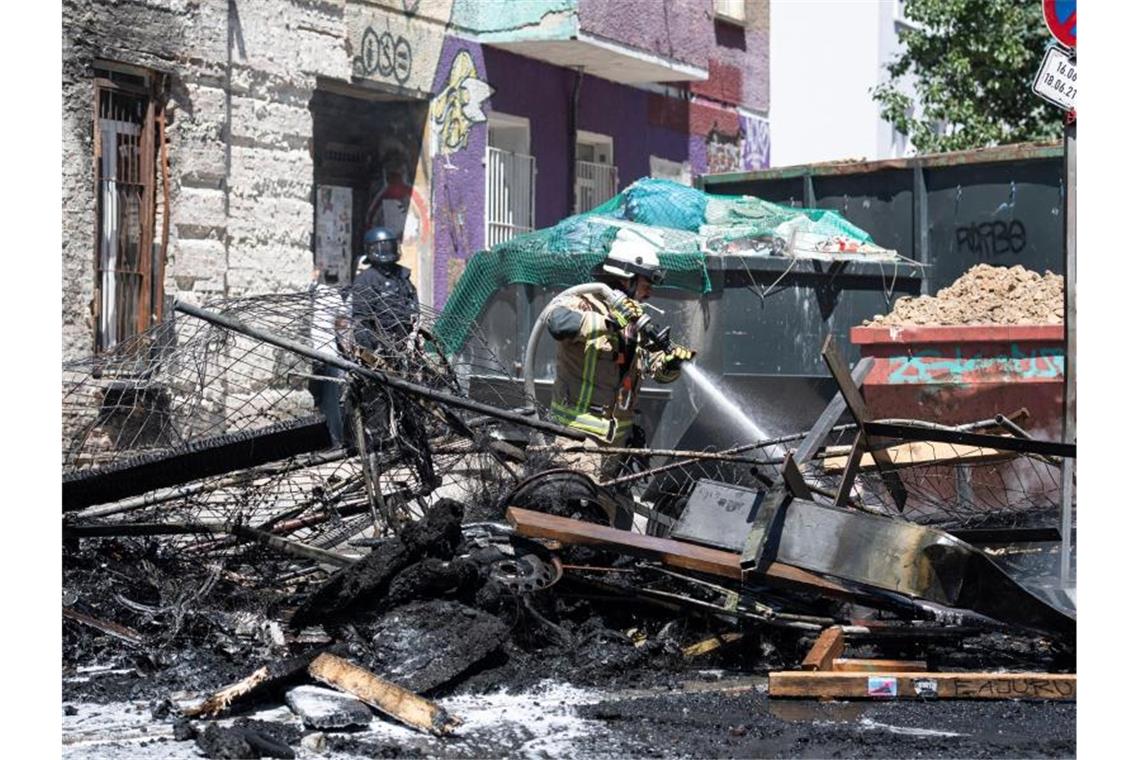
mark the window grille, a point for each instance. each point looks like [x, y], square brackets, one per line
[127, 297]
[595, 183]
[510, 195]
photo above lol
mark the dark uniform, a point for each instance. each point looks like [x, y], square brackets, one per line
[384, 303]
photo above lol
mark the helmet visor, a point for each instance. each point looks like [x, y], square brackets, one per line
[384, 251]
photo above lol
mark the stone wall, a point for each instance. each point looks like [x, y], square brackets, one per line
[242, 73]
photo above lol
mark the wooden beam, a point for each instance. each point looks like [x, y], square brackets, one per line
[826, 648]
[794, 478]
[855, 665]
[390, 699]
[858, 408]
[855, 455]
[906, 685]
[807, 449]
[668, 551]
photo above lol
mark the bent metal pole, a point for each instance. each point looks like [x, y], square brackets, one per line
[383, 378]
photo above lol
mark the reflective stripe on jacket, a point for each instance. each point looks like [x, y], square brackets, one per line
[592, 393]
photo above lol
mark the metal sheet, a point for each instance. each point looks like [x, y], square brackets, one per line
[909, 559]
[718, 514]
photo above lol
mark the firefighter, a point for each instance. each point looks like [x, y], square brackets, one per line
[601, 357]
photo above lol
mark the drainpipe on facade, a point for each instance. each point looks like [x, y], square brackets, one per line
[572, 180]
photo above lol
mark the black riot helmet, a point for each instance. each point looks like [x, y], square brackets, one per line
[381, 247]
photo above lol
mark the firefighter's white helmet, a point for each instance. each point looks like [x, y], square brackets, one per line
[632, 255]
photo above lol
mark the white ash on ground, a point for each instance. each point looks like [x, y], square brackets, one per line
[984, 295]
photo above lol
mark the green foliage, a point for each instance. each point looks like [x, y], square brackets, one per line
[972, 63]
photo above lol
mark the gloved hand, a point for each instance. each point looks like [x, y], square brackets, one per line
[677, 355]
[626, 312]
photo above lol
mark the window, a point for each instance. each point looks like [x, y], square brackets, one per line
[731, 11]
[128, 267]
[596, 179]
[510, 178]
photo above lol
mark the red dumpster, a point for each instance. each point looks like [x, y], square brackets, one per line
[958, 374]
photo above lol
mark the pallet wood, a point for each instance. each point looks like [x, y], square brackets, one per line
[396, 701]
[911, 685]
[836, 457]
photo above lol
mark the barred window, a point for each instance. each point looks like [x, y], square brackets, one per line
[128, 268]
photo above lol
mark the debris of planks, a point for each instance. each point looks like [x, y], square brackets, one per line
[825, 675]
[396, 701]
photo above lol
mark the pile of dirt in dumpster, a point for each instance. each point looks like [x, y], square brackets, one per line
[984, 295]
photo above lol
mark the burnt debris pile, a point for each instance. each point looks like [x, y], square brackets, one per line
[264, 502]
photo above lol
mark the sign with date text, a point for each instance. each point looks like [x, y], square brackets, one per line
[1056, 80]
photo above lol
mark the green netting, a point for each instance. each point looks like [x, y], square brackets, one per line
[684, 224]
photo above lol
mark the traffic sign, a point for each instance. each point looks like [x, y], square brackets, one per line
[1061, 18]
[1056, 80]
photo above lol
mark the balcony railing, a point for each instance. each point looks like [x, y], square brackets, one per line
[596, 183]
[510, 195]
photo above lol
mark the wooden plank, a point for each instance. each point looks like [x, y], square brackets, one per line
[757, 539]
[390, 699]
[122, 632]
[836, 457]
[794, 478]
[668, 551]
[826, 648]
[850, 470]
[806, 451]
[858, 407]
[904, 685]
[711, 644]
[856, 665]
[676, 553]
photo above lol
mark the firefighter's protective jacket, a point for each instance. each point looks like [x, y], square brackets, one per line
[598, 371]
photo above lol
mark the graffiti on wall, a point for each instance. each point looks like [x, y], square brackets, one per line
[723, 152]
[757, 145]
[385, 55]
[459, 105]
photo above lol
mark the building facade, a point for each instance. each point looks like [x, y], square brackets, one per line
[240, 147]
[827, 57]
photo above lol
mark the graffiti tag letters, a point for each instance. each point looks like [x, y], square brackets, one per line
[384, 55]
[990, 239]
[933, 366]
[1029, 688]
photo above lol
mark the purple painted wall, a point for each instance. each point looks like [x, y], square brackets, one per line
[542, 92]
[680, 30]
[458, 191]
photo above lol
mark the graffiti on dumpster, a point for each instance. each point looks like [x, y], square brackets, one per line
[990, 239]
[384, 55]
[933, 366]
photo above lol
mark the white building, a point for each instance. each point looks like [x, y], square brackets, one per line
[826, 57]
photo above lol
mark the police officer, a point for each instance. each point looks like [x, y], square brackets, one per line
[384, 301]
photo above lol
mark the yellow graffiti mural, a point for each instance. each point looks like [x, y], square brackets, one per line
[459, 105]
